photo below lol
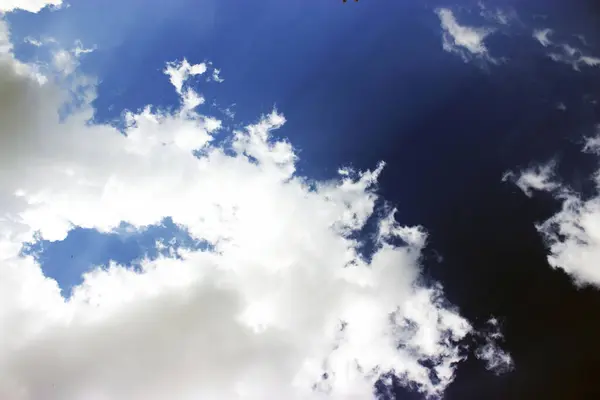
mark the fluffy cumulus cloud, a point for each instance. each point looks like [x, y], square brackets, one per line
[27, 5]
[464, 40]
[572, 234]
[281, 305]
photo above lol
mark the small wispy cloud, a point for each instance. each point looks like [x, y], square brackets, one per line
[67, 61]
[464, 40]
[495, 358]
[33, 42]
[564, 52]
[502, 16]
[540, 178]
[582, 39]
[216, 76]
[543, 36]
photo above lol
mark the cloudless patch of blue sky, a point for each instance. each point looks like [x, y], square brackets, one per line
[83, 249]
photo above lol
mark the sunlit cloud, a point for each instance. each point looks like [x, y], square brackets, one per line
[573, 234]
[281, 304]
[464, 40]
[28, 5]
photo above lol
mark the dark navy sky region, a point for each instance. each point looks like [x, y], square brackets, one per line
[369, 81]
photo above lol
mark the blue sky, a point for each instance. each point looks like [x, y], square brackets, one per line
[341, 62]
[349, 82]
[359, 83]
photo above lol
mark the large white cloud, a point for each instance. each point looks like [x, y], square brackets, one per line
[572, 234]
[280, 301]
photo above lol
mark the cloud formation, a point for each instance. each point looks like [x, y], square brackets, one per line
[543, 36]
[534, 178]
[495, 359]
[67, 61]
[469, 42]
[502, 16]
[281, 305]
[573, 234]
[564, 52]
[464, 40]
[27, 5]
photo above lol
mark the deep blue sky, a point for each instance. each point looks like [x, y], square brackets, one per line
[369, 81]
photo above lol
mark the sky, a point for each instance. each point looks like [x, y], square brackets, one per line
[303, 199]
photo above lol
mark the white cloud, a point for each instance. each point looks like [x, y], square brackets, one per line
[582, 39]
[540, 178]
[501, 17]
[564, 52]
[67, 61]
[573, 234]
[281, 299]
[495, 359]
[498, 15]
[62, 60]
[40, 42]
[216, 76]
[179, 73]
[463, 40]
[574, 57]
[542, 36]
[27, 5]
[589, 61]
[573, 237]
[80, 49]
[33, 42]
[592, 144]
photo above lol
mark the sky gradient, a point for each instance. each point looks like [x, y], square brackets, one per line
[465, 102]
